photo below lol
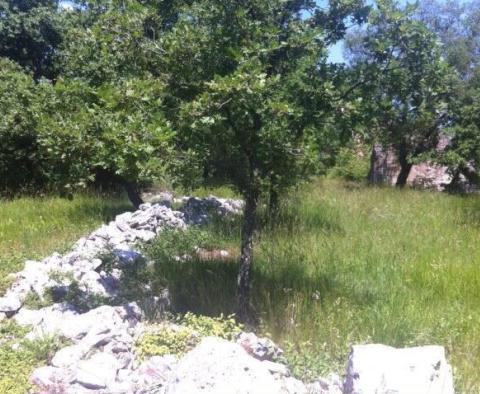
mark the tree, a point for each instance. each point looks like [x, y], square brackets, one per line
[104, 116]
[115, 132]
[30, 34]
[456, 24]
[249, 77]
[20, 160]
[405, 81]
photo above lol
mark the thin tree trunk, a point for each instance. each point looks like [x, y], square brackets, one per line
[403, 175]
[405, 167]
[273, 203]
[133, 193]
[244, 310]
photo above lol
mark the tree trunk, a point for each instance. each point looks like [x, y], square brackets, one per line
[273, 203]
[133, 193]
[405, 167]
[403, 176]
[244, 310]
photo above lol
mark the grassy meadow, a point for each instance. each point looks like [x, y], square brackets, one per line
[343, 264]
[33, 228]
[351, 264]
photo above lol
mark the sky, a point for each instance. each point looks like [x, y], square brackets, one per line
[336, 51]
[335, 54]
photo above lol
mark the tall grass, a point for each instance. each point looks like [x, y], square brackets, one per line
[32, 228]
[348, 265]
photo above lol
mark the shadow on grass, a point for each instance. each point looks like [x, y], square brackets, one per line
[209, 287]
[104, 207]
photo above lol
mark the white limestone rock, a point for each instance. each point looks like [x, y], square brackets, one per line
[10, 302]
[383, 369]
[50, 379]
[98, 372]
[332, 384]
[222, 367]
[49, 316]
[68, 356]
[153, 372]
[260, 348]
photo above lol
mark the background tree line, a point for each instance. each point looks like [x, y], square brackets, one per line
[129, 92]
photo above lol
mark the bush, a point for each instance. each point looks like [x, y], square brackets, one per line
[20, 159]
[352, 164]
[18, 362]
[187, 332]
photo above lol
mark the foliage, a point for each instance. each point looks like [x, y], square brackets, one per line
[174, 243]
[17, 364]
[352, 164]
[20, 160]
[406, 83]
[110, 45]
[184, 334]
[30, 34]
[456, 25]
[164, 341]
[117, 129]
[223, 327]
[250, 101]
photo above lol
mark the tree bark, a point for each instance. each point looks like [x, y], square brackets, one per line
[244, 309]
[133, 193]
[403, 175]
[405, 167]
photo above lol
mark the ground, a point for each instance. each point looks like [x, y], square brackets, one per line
[344, 264]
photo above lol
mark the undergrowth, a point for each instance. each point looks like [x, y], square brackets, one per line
[182, 333]
[19, 357]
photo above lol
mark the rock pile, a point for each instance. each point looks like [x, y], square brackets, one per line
[200, 210]
[83, 264]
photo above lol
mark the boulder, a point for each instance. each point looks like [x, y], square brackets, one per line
[10, 303]
[383, 369]
[153, 372]
[69, 356]
[98, 372]
[217, 366]
[51, 380]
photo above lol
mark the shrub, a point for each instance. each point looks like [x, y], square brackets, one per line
[18, 362]
[352, 164]
[187, 332]
[20, 158]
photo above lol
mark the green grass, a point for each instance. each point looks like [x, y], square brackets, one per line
[32, 228]
[351, 265]
[18, 356]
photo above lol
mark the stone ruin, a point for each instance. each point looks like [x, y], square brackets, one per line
[385, 169]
